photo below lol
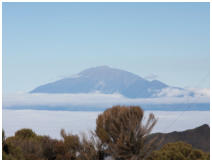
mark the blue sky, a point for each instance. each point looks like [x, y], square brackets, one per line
[43, 42]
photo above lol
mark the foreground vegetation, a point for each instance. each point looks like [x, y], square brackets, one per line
[120, 134]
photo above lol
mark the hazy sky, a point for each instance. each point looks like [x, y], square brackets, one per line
[43, 42]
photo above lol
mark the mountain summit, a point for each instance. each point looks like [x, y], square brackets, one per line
[105, 80]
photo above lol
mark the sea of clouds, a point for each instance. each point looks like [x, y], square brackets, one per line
[51, 122]
[166, 96]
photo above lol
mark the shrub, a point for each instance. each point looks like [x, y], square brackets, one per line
[4, 145]
[25, 133]
[12, 152]
[59, 150]
[48, 145]
[71, 145]
[122, 134]
[178, 151]
[88, 149]
[25, 145]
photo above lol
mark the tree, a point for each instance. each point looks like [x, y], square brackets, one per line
[122, 133]
[178, 151]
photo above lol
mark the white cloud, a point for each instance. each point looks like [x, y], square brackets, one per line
[201, 92]
[51, 122]
[172, 92]
[176, 92]
[166, 96]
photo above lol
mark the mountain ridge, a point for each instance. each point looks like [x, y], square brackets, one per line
[198, 137]
[105, 80]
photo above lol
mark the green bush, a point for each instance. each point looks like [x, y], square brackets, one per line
[25, 133]
[178, 151]
[25, 145]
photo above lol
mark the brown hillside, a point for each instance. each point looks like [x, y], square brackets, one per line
[198, 137]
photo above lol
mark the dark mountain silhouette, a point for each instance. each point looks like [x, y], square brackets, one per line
[105, 80]
[198, 137]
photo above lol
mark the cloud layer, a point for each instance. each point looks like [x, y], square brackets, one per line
[51, 122]
[166, 96]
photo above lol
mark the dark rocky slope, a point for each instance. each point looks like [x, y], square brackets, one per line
[198, 137]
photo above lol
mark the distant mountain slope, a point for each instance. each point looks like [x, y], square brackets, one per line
[198, 137]
[105, 80]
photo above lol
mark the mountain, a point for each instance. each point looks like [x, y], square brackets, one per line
[106, 80]
[198, 137]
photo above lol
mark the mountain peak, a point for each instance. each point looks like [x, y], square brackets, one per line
[106, 80]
